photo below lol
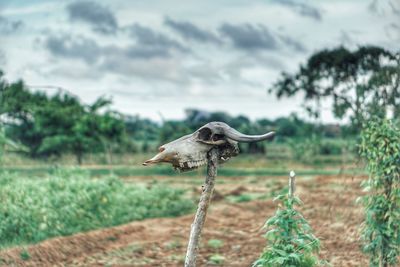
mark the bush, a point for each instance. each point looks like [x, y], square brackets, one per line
[70, 201]
[380, 146]
[290, 238]
[331, 147]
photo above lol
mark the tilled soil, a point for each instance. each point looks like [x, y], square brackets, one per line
[329, 206]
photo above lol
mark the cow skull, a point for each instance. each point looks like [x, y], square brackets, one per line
[190, 151]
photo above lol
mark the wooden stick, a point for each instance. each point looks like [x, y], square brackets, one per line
[292, 186]
[197, 226]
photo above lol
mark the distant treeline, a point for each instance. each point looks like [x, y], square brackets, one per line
[51, 125]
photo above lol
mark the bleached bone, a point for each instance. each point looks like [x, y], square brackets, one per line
[190, 151]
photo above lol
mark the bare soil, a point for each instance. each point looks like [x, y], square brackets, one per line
[329, 206]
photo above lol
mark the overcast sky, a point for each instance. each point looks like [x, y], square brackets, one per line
[161, 57]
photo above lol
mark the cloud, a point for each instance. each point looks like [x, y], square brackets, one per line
[291, 42]
[190, 31]
[76, 47]
[373, 7]
[392, 31]
[99, 17]
[9, 26]
[3, 59]
[152, 40]
[301, 8]
[148, 44]
[142, 59]
[249, 37]
[395, 8]
[345, 38]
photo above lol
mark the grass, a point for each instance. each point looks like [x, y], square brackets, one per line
[165, 170]
[67, 202]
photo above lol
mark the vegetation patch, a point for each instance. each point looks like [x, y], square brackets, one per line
[68, 202]
[380, 146]
[290, 241]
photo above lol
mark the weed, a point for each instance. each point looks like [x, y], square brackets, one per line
[216, 259]
[290, 238]
[173, 244]
[178, 258]
[215, 243]
[24, 254]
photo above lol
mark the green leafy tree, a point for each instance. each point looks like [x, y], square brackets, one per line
[289, 236]
[95, 128]
[380, 146]
[358, 83]
[3, 142]
[51, 126]
[172, 130]
[111, 129]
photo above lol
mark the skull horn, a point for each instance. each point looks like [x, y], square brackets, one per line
[239, 137]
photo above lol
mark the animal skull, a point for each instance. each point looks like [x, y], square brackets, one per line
[190, 151]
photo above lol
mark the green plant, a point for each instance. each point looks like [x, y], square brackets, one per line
[380, 146]
[24, 254]
[216, 259]
[5, 142]
[174, 244]
[67, 202]
[215, 243]
[290, 238]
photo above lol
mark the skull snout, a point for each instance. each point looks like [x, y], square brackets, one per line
[153, 160]
[162, 156]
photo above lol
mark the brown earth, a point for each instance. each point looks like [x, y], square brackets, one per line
[329, 206]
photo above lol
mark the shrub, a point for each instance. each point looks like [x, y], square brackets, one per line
[331, 147]
[380, 146]
[290, 238]
[33, 209]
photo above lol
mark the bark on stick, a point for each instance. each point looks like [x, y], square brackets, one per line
[197, 226]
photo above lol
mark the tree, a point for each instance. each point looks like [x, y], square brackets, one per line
[5, 142]
[359, 83]
[111, 132]
[380, 147]
[53, 125]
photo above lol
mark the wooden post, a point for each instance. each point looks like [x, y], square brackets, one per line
[208, 188]
[292, 186]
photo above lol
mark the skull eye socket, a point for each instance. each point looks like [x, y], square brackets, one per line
[204, 134]
[161, 149]
[217, 137]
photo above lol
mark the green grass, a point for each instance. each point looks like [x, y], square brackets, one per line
[165, 170]
[67, 202]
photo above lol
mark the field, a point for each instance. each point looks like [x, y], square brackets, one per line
[233, 232]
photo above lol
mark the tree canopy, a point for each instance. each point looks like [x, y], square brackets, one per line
[52, 125]
[359, 83]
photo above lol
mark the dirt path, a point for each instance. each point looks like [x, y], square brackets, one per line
[329, 205]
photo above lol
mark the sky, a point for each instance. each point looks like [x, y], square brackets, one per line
[158, 58]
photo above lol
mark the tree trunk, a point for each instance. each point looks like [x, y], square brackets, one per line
[79, 157]
[208, 188]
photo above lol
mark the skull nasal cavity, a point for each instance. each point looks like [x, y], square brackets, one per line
[205, 134]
